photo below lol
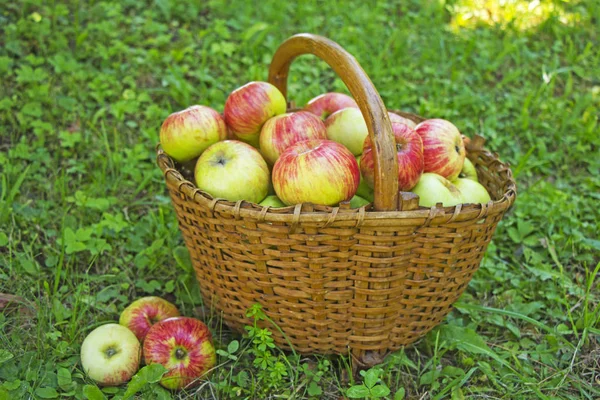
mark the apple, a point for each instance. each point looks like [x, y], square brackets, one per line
[110, 354]
[184, 135]
[348, 127]
[317, 171]
[234, 171]
[409, 150]
[433, 188]
[364, 190]
[247, 108]
[281, 131]
[468, 171]
[472, 191]
[140, 315]
[326, 104]
[398, 118]
[443, 147]
[272, 201]
[358, 202]
[184, 347]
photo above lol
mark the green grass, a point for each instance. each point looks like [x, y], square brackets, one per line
[86, 225]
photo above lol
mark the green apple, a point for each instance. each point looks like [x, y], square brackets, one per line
[468, 171]
[348, 127]
[364, 190]
[358, 202]
[471, 191]
[272, 201]
[433, 188]
[234, 171]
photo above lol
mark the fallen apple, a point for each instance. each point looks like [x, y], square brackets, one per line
[443, 147]
[316, 171]
[140, 315]
[326, 104]
[184, 135]
[234, 171]
[348, 127]
[249, 107]
[110, 354]
[409, 152]
[184, 347]
[433, 188]
[471, 191]
[282, 131]
[272, 201]
[468, 171]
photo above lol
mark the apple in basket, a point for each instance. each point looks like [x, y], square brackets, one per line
[472, 191]
[140, 315]
[348, 127]
[443, 147]
[398, 118]
[281, 131]
[433, 188]
[184, 347]
[326, 104]
[316, 171]
[234, 171]
[409, 149]
[110, 354]
[249, 107]
[184, 135]
[468, 171]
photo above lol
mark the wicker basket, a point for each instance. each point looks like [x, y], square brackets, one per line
[337, 280]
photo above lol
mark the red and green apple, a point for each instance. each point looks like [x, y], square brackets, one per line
[443, 147]
[140, 315]
[326, 104]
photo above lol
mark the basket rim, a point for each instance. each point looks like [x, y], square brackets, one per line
[308, 212]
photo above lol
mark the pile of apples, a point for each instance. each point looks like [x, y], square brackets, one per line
[321, 154]
[153, 328]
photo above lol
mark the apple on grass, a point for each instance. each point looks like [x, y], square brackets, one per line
[282, 131]
[249, 107]
[326, 104]
[272, 201]
[348, 127]
[433, 188]
[234, 171]
[316, 171]
[140, 315]
[110, 354]
[184, 135]
[184, 347]
[468, 171]
[409, 152]
[471, 191]
[443, 147]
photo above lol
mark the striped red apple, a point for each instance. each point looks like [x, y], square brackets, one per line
[409, 149]
[443, 147]
[249, 107]
[282, 131]
[184, 135]
[316, 171]
[398, 118]
[184, 347]
[140, 315]
[326, 104]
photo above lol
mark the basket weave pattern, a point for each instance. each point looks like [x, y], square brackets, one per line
[336, 279]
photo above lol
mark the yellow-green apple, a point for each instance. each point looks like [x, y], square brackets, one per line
[317, 171]
[471, 191]
[110, 354]
[433, 188]
[409, 150]
[140, 315]
[272, 201]
[247, 108]
[184, 347]
[468, 171]
[282, 131]
[398, 118]
[326, 104]
[348, 127]
[357, 202]
[364, 190]
[443, 147]
[184, 135]
[234, 171]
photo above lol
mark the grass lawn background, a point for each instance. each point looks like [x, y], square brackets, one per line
[86, 225]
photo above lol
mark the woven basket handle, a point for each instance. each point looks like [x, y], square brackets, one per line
[366, 96]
